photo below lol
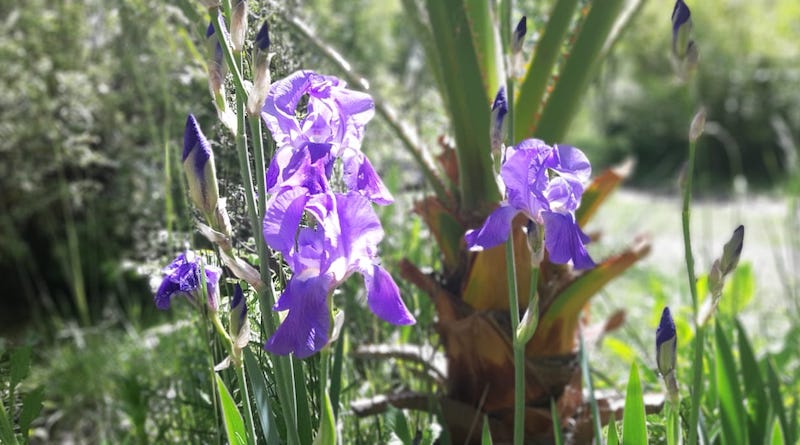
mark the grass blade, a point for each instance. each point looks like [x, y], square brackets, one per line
[729, 395]
[776, 436]
[486, 435]
[234, 425]
[776, 397]
[261, 397]
[540, 69]
[587, 380]
[613, 437]
[558, 434]
[634, 426]
[304, 424]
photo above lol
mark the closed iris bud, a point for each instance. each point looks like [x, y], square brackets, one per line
[499, 111]
[198, 165]
[262, 79]
[681, 29]
[238, 312]
[666, 342]
[519, 35]
[732, 251]
[238, 25]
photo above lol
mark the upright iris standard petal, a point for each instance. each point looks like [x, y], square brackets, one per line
[183, 277]
[666, 342]
[198, 165]
[335, 117]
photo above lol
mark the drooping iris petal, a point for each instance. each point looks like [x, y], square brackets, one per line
[282, 219]
[305, 329]
[383, 297]
[565, 241]
[166, 291]
[494, 231]
[360, 175]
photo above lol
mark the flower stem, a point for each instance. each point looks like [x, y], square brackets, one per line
[697, 381]
[517, 346]
[248, 412]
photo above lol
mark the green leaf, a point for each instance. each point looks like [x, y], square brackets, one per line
[486, 435]
[776, 436]
[336, 373]
[634, 426]
[558, 434]
[757, 401]
[20, 365]
[261, 397]
[540, 69]
[31, 407]
[6, 430]
[465, 96]
[304, 424]
[234, 425]
[776, 397]
[396, 422]
[613, 438]
[738, 292]
[327, 428]
[577, 71]
[729, 395]
[487, 45]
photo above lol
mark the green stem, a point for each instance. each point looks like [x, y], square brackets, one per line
[517, 346]
[697, 381]
[673, 423]
[248, 412]
[7, 431]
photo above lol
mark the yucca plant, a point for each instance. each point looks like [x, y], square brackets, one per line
[468, 46]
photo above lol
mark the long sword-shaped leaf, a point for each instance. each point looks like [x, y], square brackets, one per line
[261, 396]
[488, 49]
[465, 97]
[540, 69]
[757, 401]
[729, 393]
[580, 66]
[234, 425]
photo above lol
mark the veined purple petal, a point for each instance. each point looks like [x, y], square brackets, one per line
[574, 166]
[282, 219]
[525, 176]
[194, 141]
[305, 329]
[360, 231]
[565, 241]
[166, 291]
[280, 107]
[359, 175]
[494, 231]
[383, 297]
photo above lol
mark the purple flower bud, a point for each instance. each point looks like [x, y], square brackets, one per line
[183, 277]
[262, 38]
[198, 165]
[499, 111]
[519, 35]
[262, 79]
[666, 342]
[732, 251]
[238, 311]
[681, 29]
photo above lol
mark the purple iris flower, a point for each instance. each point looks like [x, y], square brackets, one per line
[335, 119]
[183, 277]
[546, 184]
[344, 241]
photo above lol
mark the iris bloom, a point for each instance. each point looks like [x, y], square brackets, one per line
[184, 276]
[546, 184]
[344, 241]
[335, 118]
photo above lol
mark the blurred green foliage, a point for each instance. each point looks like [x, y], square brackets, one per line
[748, 78]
